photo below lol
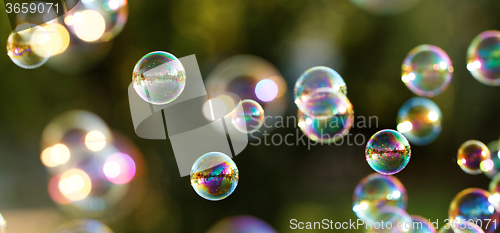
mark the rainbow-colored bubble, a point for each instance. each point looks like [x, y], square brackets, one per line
[250, 119]
[472, 156]
[419, 120]
[214, 176]
[474, 204]
[28, 46]
[483, 58]
[427, 70]
[388, 152]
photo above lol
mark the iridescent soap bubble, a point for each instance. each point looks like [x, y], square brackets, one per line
[241, 224]
[376, 191]
[28, 46]
[419, 119]
[250, 119]
[84, 226]
[385, 7]
[159, 78]
[316, 90]
[492, 167]
[483, 58]
[388, 152]
[427, 70]
[391, 220]
[214, 176]
[421, 225]
[474, 204]
[472, 155]
[329, 129]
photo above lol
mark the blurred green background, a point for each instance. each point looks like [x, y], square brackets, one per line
[277, 183]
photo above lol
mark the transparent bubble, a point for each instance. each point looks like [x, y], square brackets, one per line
[214, 176]
[419, 119]
[491, 168]
[241, 224]
[388, 152]
[421, 225]
[84, 226]
[473, 205]
[28, 46]
[385, 7]
[483, 58]
[250, 119]
[159, 78]
[391, 220]
[427, 70]
[316, 89]
[472, 155]
[376, 191]
[329, 129]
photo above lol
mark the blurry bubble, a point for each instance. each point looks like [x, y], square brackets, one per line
[75, 184]
[119, 168]
[329, 129]
[427, 70]
[250, 119]
[421, 225]
[376, 191]
[491, 171]
[214, 176]
[241, 224]
[59, 37]
[316, 89]
[494, 189]
[483, 58]
[472, 155]
[419, 120]
[388, 152]
[28, 46]
[159, 78]
[473, 205]
[392, 216]
[84, 226]
[385, 7]
[95, 140]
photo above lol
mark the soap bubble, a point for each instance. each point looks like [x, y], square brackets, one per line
[421, 225]
[84, 226]
[388, 152]
[483, 58]
[419, 119]
[159, 78]
[376, 191]
[250, 119]
[427, 70]
[391, 220]
[214, 176]
[491, 168]
[241, 224]
[316, 90]
[473, 204]
[385, 7]
[330, 129]
[472, 156]
[28, 46]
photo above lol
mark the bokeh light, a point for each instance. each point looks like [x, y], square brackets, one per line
[89, 25]
[95, 140]
[75, 184]
[119, 168]
[59, 37]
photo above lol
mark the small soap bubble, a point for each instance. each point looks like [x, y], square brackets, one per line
[421, 225]
[473, 156]
[250, 119]
[241, 224]
[214, 176]
[419, 120]
[28, 46]
[388, 152]
[427, 70]
[483, 58]
[473, 204]
[376, 191]
[316, 89]
[159, 78]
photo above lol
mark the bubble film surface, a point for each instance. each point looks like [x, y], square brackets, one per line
[388, 152]
[427, 70]
[392, 216]
[491, 168]
[330, 129]
[483, 58]
[421, 225]
[214, 176]
[250, 119]
[84, 226]
[472, 155]
[159, 78]
[419, 120]
[473, 204]
[376, 191]
[28, 46]
[241, 224]
[316, 88]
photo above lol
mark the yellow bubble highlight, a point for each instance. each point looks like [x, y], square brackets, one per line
[59, 37]
[75, 184]
[47, 159]
[89, 25]
[59, 154]
[95, 140]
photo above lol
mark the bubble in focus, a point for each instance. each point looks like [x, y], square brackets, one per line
[419, 120]
[214, 176]
[390, 216]
[250, 119]
[241, 224]
[427, 70]
[316, 90]
[159, 78]
[473, 204]
[472, 156]
[422, 225]
[483, 58]
[385, 7]
[492, 167]
[388, 152]
[28, 46]
[330, 129]
[376, 191]
[84, 226]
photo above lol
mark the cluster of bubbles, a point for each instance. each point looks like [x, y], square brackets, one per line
[325, 113]
[388, 152]
[241, 224]
[95, 173]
